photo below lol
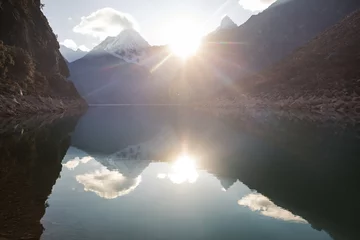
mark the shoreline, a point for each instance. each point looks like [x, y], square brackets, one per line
[13, 106]
[346, 107]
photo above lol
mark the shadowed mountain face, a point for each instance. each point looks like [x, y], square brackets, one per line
[235, 56]
[274, 33]
[323, 72]
[307, 168]
[119, 70]
[104, 78]
[29, 167]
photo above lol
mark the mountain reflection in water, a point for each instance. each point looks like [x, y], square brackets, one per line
[171, 173]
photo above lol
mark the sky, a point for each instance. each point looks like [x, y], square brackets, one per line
[85, 23]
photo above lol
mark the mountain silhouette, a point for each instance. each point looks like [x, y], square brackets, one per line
[271, 35]
[322, 76]
[71, 55]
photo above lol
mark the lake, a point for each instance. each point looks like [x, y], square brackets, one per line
[174, 173]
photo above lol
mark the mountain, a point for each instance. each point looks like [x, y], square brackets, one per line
[229, 56]
[119, 70]
[129, 45]
[33, 74]
[271, 35]
[71, 55]
[323, 75]
[226, 182]
[226, 23]
[106, 79]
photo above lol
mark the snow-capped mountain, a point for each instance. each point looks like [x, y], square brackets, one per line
[227, 23]
[129, 45]
[132, 160]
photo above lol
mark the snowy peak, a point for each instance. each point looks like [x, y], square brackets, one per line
[127, 39]
[227, 23]
[129, 45]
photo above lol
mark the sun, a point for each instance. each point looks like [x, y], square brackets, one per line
[185, 48]
[184, 38]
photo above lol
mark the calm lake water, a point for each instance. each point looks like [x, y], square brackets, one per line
[172, 173]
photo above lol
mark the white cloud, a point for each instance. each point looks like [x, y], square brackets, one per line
[69, 43]
[256, 5]
[260, 203]
[84, 48]
[105, 22]
[73, 163]
[108, 184]
[70, 18]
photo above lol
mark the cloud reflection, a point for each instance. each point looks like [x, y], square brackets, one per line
[259, 203]
[72, 164]
[108, 184]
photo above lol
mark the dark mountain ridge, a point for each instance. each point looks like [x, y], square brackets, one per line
[323, 76]
[276, 32]
[33, 72]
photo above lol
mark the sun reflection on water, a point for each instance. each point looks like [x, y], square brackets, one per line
[183, 170]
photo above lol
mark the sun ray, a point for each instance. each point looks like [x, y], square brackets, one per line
[161, 63]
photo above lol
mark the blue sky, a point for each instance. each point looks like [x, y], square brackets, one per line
[86, 23]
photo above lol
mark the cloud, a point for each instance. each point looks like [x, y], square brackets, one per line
[105, 22]
[84, 48]
[69, 43]
[108, 184]
[70, 18]
[256, 5]
[260, 203]
[73, 163]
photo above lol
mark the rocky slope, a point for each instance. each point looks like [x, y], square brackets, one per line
[276, 32]
[322, 76]
[33, 72]
[228, 56]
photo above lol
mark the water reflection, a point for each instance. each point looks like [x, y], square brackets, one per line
[260, 203]
[108, 184]
[183, 170]
[30, 164]
[72, 164]
[288, 178]
[114, 175]
[299, 166]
